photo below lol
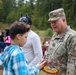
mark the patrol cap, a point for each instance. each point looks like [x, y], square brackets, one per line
[56, 14]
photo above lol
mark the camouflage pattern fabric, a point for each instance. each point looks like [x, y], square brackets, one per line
[62, 52]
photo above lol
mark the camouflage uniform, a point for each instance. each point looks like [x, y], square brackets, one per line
[62, 52]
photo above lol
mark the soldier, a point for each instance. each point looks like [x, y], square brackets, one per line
[62, 49]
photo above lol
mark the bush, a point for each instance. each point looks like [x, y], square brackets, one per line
[49, 32]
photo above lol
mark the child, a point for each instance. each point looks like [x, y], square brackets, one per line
[13, 59]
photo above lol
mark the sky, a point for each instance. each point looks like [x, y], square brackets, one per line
[25, 0]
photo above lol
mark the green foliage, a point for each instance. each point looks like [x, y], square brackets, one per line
[74, 23]
[69, 6]
[38, 10]
[49, 32]
[12, 17]
[41, 33]
[1, 12]
[20, 2]
[8, 6]
[34, 28]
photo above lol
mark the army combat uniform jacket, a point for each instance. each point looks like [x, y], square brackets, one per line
[62, 52]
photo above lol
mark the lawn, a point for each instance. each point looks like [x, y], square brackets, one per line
[42, 73]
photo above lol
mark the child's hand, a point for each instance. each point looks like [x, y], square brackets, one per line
[42, 62]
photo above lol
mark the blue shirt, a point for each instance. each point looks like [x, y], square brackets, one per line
[15, 62]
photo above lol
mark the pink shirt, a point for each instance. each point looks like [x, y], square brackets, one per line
[7, 39]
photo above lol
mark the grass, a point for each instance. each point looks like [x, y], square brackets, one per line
[3, 26]
[42, 73]
[41, 33]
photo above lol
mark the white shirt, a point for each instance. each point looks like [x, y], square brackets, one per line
[33, 49]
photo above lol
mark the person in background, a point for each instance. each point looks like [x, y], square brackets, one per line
[13, 59]
[2, 46]
[2, 43]
[7, 38]
[45, 45]
[32, 48]
[62, 49]
[44, 48]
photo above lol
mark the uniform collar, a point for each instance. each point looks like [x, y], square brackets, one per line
[59, 36]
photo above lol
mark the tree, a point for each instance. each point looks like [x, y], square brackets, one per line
[20, 2]
[1, 12]
[8, 6]
[40, 13]
[12, 16]
[69, 10]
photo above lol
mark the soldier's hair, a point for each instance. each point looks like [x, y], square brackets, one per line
[17, 28]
